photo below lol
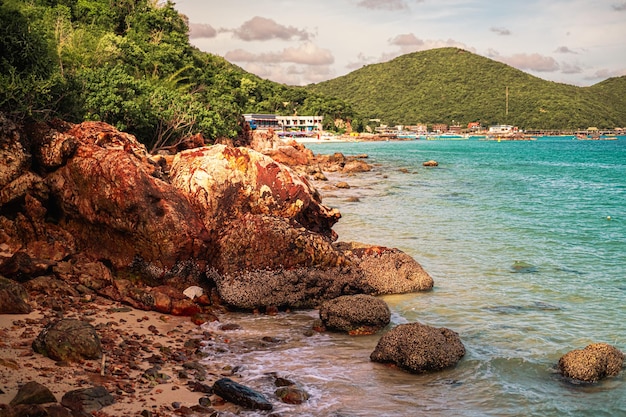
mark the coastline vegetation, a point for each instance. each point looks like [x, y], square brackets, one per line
[454, 86]
[129, 63]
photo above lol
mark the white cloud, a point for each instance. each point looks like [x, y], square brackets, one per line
[530, 62]
[383, 4]
[306, 54]
[263, 29]
[200, 30]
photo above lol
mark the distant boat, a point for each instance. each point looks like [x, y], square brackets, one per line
[596, 137]
[448, 136]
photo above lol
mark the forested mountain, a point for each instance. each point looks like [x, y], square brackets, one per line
[451, 85]
[130, 63]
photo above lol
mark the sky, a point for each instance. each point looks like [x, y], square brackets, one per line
[579, 42]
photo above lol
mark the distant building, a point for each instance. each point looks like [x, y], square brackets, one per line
[474, 126]
[499, 129]
[440, 128]
[284, 123]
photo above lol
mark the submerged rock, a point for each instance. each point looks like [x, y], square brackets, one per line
[419, 348]
[241, 395]
[355, 314]
[593, 363]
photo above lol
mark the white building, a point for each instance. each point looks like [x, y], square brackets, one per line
[285, 123]
[501, 129]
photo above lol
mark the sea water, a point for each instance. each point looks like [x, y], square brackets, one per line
[526, 243]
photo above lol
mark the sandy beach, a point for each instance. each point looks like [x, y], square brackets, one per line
[146, 339]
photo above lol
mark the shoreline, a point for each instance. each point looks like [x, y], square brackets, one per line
[133, 341]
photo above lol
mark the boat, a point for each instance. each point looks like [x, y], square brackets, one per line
[448, 136]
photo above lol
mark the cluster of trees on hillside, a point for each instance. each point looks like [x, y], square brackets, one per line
[130, 63]
[451, 85]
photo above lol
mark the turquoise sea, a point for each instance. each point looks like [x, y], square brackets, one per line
[526, 242]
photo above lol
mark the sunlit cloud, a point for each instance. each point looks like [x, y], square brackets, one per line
[201, 30]
[530, 62]
[308, 54]
[383, 4]
[263, 29]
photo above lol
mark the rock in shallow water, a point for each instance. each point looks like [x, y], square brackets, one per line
[419, 348]
[355, 314]
[241, 395]
[594, 362]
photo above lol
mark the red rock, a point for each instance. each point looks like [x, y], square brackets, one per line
[224, 183]
[116, 209]
[185, 308]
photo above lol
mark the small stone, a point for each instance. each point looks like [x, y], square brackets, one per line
[291, 395]
[33, 393]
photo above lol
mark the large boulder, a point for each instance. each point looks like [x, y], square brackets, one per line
[593, 363]
[293, 288]
[263, 261]
[419, 348]
[355, 314]
[225, 183]
[262, 242]
[68, 340]
[109, 197]
[387, 270]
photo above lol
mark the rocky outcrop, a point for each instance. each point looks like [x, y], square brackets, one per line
[68, 340]
[90, 189]
[85, 208]
[224, 183]
[593, 363]
[355, 314]
[117, 209]
[419, 348]
[289, 288]
[387, 270]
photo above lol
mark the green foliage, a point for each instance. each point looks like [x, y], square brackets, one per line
[450, 85]
[129, 63]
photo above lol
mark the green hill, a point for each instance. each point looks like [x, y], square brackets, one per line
[130, 64]
[451, 85]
